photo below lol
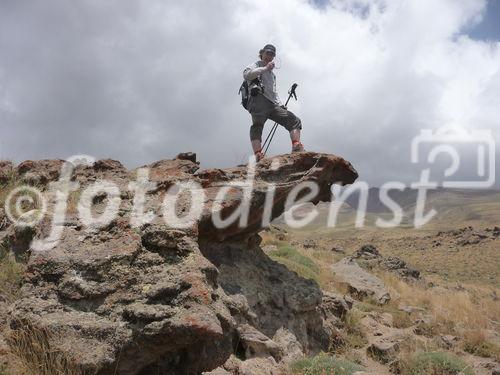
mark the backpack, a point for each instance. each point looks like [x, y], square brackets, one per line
[244, 94]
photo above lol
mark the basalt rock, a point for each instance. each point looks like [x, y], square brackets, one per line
[360, 283]
[7, 171]
[469, 236]
[39, 172]
[149, 298]
[369, 257]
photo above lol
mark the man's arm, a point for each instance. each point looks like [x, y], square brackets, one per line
[250, 73]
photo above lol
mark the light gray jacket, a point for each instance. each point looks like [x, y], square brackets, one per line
[266, 76]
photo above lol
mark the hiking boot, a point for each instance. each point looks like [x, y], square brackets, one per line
[297, 147]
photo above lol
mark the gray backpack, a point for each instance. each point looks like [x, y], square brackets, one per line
[246, 90]
[244, 94]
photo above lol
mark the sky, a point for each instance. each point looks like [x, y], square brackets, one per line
[139, 81]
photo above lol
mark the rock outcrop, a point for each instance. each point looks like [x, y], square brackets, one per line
[468, 236]
[360, 283]
[369, 257]
[164, 299]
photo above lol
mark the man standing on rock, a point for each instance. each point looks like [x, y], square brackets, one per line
[264, 102]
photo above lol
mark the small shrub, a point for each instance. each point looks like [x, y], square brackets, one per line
[295, 261]
[438, 363]
[354, 356]
[433, 328]
[401, 319]
[324, 364]
[427, 329]
[407, 349]
[269, 238]
[475, 343]
[355, 336]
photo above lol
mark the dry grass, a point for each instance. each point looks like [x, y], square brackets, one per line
[471, 308]
[410, 348]
[31, 346]
[400, 319]
[326, 278]
[7, 187]
[73, 199]
[11, 275]
[30, 351]
[467, 313]
[271, 238]
[356, 338]
[476, 342]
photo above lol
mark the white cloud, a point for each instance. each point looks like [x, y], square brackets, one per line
[140, 81]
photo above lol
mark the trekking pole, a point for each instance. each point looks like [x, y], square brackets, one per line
[291, 93]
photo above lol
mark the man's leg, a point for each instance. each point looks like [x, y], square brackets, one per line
[290, 122]
[260, 108]
[256, 136]
[295, 135]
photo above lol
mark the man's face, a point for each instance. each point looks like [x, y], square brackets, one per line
[267, 56]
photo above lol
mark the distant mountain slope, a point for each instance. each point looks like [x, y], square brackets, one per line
[407, 197]
[454, 207]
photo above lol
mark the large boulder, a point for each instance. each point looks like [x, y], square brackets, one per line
[153, 298]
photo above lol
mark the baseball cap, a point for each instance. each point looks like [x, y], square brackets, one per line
[270, 48]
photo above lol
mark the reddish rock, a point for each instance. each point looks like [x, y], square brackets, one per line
[40, 171]
[283, 171]
[108, 164]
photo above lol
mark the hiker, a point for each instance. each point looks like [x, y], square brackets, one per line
[264, 102]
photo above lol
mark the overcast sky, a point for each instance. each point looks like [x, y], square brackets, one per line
[140, 81]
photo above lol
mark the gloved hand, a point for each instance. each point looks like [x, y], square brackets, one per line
[283, 106]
